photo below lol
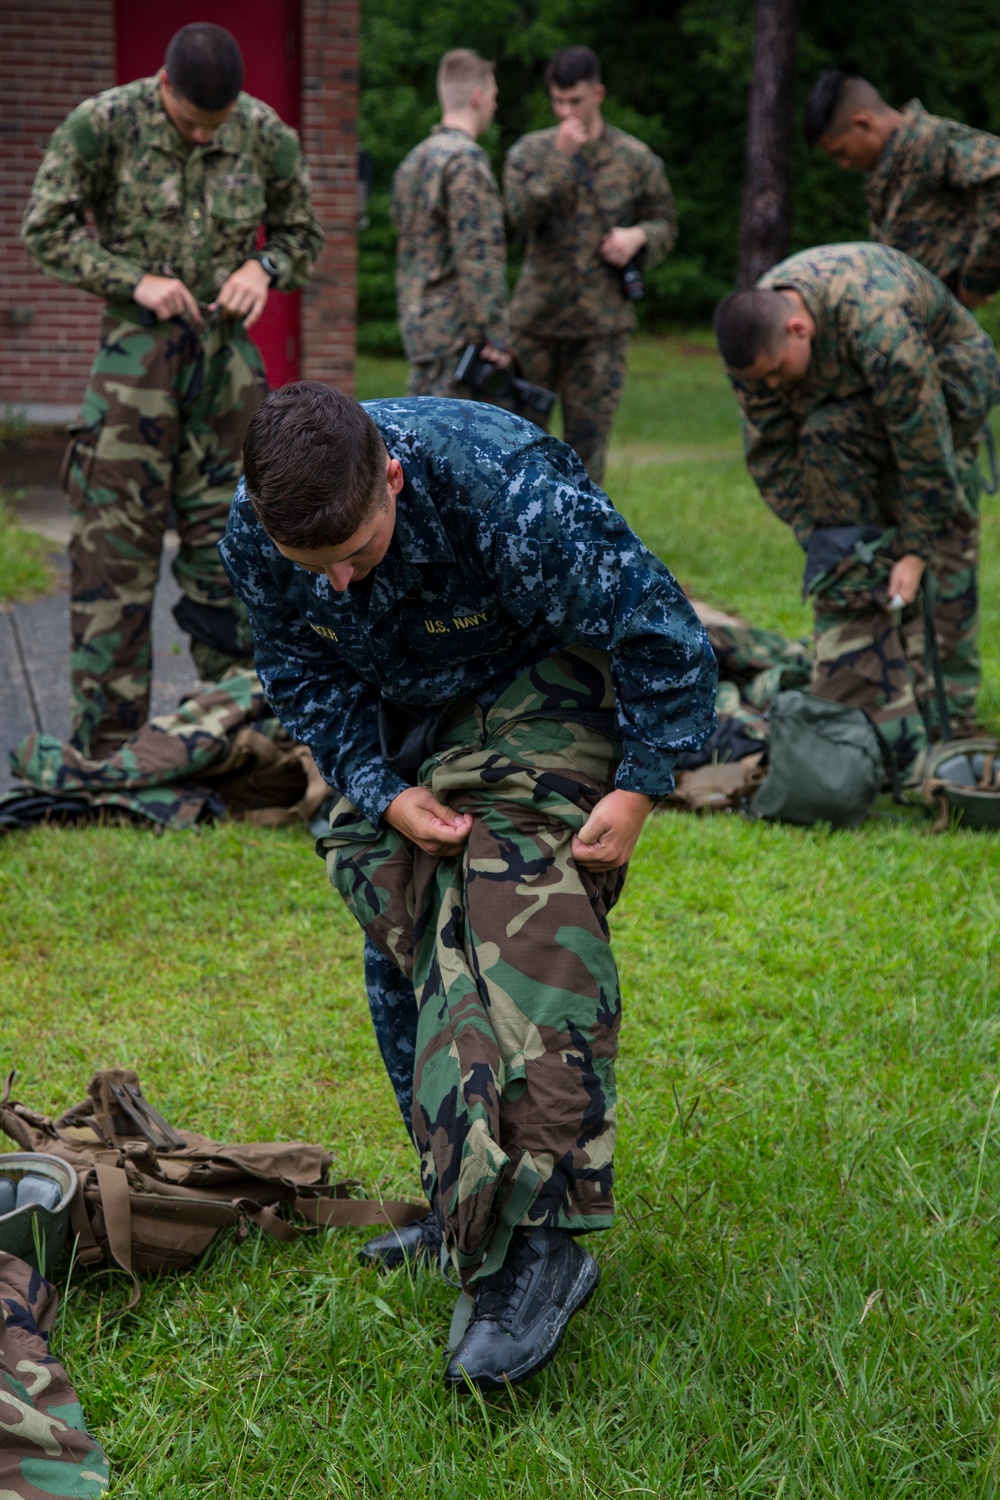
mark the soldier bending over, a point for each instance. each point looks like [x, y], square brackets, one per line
[497, 676]
[864, 387]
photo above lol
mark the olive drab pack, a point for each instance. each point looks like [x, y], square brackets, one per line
[825, 763]
[152, 1198]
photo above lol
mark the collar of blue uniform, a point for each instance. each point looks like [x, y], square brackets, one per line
[419, 535]
[419, 538]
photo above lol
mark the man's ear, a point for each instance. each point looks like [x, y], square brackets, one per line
[797, 328]
[599, 92]
[394, 476]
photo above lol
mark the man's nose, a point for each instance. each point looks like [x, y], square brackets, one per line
[340, 575]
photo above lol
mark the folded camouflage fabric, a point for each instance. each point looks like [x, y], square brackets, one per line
[754, 665]
[44, 1449]
[221, 753]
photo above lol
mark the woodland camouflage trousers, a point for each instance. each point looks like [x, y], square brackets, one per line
[588, 375]
[507, 948]
[865, 654]
[163, 420]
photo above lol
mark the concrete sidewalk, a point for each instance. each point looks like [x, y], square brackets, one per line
[34, 642]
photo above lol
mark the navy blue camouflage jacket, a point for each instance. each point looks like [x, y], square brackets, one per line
[503, 552]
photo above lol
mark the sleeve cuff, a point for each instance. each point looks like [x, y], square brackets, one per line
[645, 769]
[381, 788]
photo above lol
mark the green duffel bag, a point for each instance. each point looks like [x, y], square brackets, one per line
[825, 763]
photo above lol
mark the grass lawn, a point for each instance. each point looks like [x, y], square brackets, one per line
[24, 567]
[800, 1295]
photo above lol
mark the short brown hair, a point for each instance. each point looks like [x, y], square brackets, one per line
[459, 72]
[749, 324]
[315, 466]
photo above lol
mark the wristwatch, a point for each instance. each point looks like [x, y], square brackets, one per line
[268, 264]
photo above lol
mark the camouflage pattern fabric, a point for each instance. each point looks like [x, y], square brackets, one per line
[451, 255]
[163, 420]
[890, 334]
[562, 207]
[507, 946]
[221, 752]
[935, 193]
[881, 432]
[164, 207]
[503, 551]
[861, 655]
[45, 1450]
[589, 375]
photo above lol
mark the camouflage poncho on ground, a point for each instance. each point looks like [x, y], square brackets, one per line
[221, 752]
[45, 1450]
[881, 434]
[935, 194]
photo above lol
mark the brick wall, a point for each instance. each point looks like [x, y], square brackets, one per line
[330, 66]
[57, 52]
[54, 53]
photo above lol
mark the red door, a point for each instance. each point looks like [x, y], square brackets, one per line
[268, 32]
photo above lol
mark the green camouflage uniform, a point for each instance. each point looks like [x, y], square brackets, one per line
[45, 1449]
[880, 434]
[935, 193]
[507, 948]
[451, 257]
[570, 322]
[167, 406]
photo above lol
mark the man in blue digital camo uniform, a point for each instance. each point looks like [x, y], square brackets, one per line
[497, 676]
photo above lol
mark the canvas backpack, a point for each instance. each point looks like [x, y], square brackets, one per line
[152, 1198]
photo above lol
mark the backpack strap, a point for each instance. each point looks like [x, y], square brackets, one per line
[112, 1184]
[932, 660]
[331, 1212]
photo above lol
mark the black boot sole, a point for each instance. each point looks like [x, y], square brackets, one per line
[583, 1293]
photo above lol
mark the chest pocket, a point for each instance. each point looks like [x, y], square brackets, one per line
[238, 200]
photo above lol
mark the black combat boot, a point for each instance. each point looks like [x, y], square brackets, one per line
[522, 1311]
[414, 1242]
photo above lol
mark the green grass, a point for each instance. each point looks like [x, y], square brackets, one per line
[800, 1294]
[24, 568]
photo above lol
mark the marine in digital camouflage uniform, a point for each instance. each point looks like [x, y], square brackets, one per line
[877, 431]
[558, 661]
[451, 250]
[567, 194]
[181, 196]
[932, 184]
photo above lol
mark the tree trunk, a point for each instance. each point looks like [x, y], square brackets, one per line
[766, 211]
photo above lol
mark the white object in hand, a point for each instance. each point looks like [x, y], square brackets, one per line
[897, 601]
